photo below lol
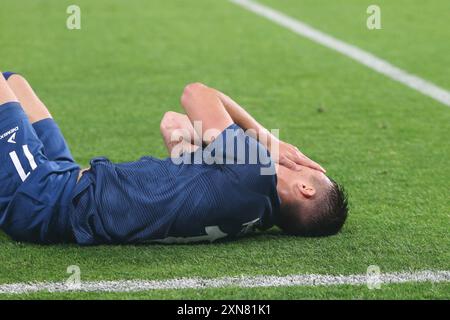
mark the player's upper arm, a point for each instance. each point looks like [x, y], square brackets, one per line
[203, 106]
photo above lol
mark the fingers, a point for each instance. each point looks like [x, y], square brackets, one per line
[307, 162]
[311, 164]
[288, 163]
[292, 158]
[301, 159]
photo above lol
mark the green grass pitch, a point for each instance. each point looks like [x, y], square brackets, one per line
[109, 83]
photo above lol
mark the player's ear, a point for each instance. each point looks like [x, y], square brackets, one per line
[304, 189]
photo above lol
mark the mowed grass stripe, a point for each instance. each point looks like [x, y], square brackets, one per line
[241, 282]
[379, 65]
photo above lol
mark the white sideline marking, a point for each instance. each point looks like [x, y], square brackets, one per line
[242, 282]
[382, 66]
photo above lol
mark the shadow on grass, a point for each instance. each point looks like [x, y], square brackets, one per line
[260, 236]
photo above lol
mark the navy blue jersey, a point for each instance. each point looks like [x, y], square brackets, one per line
[38, 177]
[222, 191]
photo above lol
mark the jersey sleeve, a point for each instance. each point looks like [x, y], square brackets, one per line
[234, 147]
[248, 199]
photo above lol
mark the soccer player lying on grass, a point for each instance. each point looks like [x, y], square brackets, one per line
[218, 183]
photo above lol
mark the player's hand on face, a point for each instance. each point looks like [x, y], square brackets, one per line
[291, 157]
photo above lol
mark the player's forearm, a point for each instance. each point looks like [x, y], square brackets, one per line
[203, 106]
[242, 118]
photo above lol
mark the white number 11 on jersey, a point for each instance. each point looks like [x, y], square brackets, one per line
[18, 165]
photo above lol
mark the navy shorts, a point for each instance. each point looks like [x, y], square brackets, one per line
[38, 175]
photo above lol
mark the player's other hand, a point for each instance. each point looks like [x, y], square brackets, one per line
[291, 157]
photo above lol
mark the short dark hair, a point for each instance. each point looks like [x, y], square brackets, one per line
[325, 219]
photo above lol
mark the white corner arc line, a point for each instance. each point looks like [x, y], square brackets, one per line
[241, 282]
[382, 66]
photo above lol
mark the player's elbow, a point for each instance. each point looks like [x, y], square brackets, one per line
[191, 92]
